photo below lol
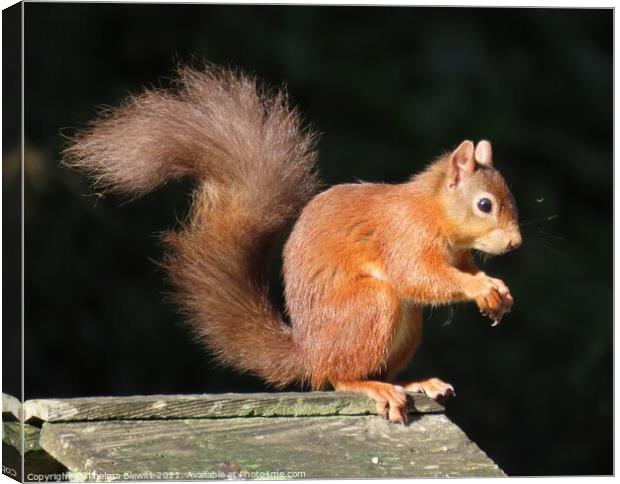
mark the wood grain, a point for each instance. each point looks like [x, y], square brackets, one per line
[12, 433]
[155, 407]
[312, 447]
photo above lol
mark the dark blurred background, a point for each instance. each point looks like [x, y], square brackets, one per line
[389, 88]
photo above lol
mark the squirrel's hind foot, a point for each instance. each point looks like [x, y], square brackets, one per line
[391, 399]
[433, 388]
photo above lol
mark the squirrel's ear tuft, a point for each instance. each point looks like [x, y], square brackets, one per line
[462, 163]
[484, 153]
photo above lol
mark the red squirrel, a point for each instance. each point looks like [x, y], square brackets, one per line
[361, 262]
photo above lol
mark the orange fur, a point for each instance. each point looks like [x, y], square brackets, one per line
[361, 261]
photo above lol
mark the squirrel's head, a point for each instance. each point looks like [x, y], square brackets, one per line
[478, 203]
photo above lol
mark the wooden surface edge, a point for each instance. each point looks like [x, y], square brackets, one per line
[227, 405]
[12, 406]
[12, 433]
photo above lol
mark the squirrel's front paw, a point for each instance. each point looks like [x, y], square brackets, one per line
[492, 297]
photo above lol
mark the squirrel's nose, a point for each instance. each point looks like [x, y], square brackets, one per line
[515, 242]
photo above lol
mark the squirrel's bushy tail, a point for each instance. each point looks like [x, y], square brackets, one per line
[256, 169]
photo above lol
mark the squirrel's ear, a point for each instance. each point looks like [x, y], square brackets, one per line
[484, 153]
[462, 163]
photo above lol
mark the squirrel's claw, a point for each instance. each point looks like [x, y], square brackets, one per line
[494, 299]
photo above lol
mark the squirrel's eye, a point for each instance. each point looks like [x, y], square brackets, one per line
[485, 205]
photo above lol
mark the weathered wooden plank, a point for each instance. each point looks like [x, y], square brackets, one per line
[38, 464]
[212, 406]
[12, 435]
[312, 447]
[11, 406]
